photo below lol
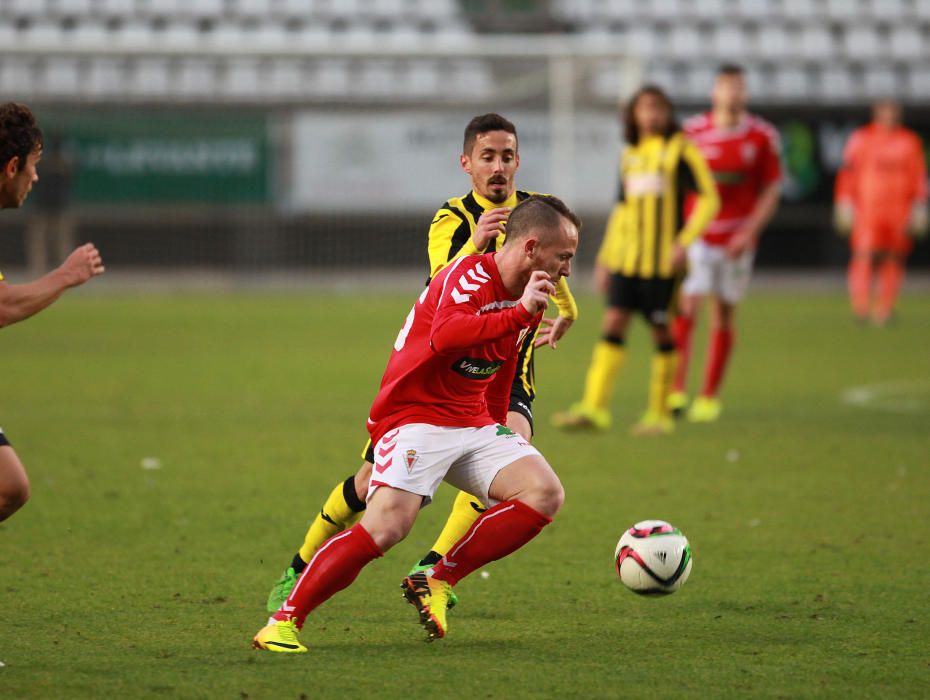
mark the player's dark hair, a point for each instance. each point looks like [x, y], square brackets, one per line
[539, 212]
[731, 69]
[630, 129]
[482, 124]
[19, 133]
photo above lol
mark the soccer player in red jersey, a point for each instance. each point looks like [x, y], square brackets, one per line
[881, 194]
[20, 151]
[441, 414]
[742, 151]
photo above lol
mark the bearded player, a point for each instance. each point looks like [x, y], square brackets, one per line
[742, 151]
[20, 152]
[440, 415]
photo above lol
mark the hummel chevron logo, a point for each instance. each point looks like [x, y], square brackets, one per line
[465, 284]
[478, 277]
[459, 297]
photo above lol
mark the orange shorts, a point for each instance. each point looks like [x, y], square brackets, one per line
[881, 237]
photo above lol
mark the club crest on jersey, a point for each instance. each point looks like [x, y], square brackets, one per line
[476, 368]
[410, 459]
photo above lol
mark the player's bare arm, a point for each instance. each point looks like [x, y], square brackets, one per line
[20, 301]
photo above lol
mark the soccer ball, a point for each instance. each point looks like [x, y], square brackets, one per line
[653, 558]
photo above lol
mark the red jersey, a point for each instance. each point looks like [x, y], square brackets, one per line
[744, 160]
[455, 357]
[883, 174]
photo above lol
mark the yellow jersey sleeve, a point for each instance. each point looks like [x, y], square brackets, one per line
[446, 226]
[1, 277]
[610, 254]
[707, 202]
[564, 300]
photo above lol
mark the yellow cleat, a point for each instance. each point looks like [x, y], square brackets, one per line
[280, 637]
[430, 597]
[653, 424]
[581, 417]
[677, 403]
[705, 409]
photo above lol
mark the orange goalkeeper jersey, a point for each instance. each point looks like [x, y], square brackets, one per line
[883, 174]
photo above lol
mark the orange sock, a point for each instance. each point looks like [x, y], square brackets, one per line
[859, 278]
[890, 275]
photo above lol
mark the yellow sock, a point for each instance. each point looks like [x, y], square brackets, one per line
[340, 511]
[606, 361]
[465, 511]
[660, 381]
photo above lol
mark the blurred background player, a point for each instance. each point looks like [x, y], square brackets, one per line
[20, 151]
[467, 225]
[881, 196]
[742, 151]
[643, 254]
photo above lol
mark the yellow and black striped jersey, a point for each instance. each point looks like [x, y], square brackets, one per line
[450, 237]
[655, 176]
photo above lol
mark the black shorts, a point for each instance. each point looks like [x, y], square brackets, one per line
[523, 389]
[652, 297]
[3, 440]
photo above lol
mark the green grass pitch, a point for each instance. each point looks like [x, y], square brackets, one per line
[808, 515]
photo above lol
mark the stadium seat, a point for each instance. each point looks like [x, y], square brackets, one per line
[88, 34]
[59, 78]
[179, 34]
[684, 42]
[755, 10]
[285, 79]
[711, 10]
[17, 78]
[116, 9]
[242, 78]
[838, 83]
[907, 43]
[135, 34]
[72, 8]
[729, 43]
[843, 10]
[26, 9]
[196, 77]
[291, 10]
[880, 81]
[331, 79]
[917, 83]
[773, 41]
[801, 10]
[790, 83]
[863, 42]
[150, 78]
[815, 42]
[42, 33]
[106, 77]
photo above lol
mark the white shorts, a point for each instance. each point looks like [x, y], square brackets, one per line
[712, 271]
[418, 456]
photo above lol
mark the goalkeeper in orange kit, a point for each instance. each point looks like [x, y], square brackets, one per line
[881, 198]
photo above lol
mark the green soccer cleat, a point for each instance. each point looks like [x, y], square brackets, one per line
[282, 589]
[653, 424]
[453, 598]
[677, 403]
[705, 409]
[581, 417]
[430, 597]
[280, 637]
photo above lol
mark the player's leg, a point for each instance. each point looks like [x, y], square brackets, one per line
[397, 490]
[891, 274]
[342, 509]
[657, 297]
[14, 484]
[698, 283]
[526, 493]
[859, 273]
[707, 407]
[593, 411]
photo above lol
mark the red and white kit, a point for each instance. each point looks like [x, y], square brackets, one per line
[744, 160]
[443, 400]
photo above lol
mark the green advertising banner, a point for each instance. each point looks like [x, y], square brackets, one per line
[151, 158]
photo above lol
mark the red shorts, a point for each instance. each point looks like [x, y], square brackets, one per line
[881, 236]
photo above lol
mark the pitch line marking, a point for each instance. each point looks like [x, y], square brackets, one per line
[897, 396]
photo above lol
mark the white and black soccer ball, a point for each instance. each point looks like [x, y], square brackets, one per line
[653, 558]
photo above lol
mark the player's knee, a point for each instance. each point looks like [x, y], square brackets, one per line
[13, 496]
[387, 534]
[547, 495]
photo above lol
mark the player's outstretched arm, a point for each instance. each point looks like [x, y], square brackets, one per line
[20, 301]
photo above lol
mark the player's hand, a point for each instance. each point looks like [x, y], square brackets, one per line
[490, 225]
[536, 293]
[739, 243]
[843, 218]
[679, 257]
[85, 262]
[551, 331]
[919, 221]
[601, 278]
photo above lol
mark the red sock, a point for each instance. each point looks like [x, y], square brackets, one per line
[859, 278]
[681, 331]
[499, 531]
[721, 342]
[334, 566]
[890, 275]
